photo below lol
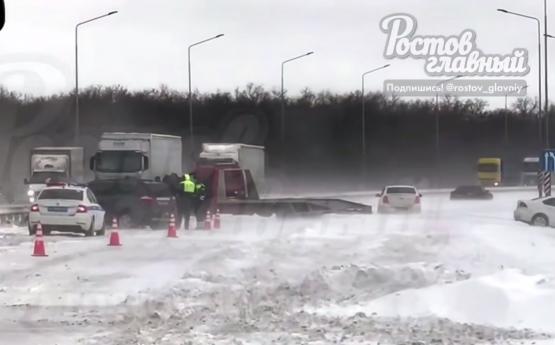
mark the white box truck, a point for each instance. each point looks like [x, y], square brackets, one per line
[54, 164]
[250, 157]
[145, 156]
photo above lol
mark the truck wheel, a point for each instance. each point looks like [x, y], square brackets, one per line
[91, 232]
[540, 220]
[102, 230]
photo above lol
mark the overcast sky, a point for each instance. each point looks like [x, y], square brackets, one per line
[145, 45]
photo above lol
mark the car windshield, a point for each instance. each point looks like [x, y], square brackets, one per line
[119, 162]
[61, 194]
[401, 190]
[48, 176]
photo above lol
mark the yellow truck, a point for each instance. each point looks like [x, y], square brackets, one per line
[490, 171]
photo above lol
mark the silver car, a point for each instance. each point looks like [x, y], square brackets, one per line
[399, 199]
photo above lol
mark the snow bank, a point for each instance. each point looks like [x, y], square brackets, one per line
[253, 281]
[505, 299]
[11, 229]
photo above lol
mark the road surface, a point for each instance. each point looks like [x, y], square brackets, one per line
[461, 270]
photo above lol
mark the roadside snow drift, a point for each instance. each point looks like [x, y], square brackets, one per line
[505, 299]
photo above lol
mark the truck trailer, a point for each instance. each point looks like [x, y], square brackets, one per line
[145, 156]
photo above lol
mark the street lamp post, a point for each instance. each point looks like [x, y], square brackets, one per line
[77, 115]
[537, 20]
[191, 123]
[437, 149]
[282, 98]
[546, 109]
[363, 119]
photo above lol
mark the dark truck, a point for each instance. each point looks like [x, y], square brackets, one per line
[232, 190]
[135, 202]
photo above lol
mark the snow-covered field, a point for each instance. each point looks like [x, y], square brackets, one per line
[460, 273]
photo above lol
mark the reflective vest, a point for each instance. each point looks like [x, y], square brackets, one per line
[188, 184]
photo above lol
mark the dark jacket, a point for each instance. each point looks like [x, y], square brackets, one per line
[173, 181]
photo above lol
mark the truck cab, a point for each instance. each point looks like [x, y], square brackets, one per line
[226, 181]
[248, 157]
[529, 172]
[490, 171]
[53, 165]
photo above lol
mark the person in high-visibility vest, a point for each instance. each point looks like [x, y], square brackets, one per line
[188, 196]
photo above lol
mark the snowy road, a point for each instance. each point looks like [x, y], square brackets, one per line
[461, 271]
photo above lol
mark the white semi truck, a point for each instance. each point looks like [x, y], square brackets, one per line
[249, 157]
[54, 164]
[145, 156]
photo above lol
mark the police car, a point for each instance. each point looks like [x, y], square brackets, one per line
[67, 208]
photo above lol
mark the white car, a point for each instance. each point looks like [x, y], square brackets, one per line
[538, 212]
[399, 198]
[67, 209]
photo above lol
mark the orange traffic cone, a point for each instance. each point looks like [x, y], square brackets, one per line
[172, 231]
[39, 248]
[217, 220]
[38, 230]
[114, 235]
[208, 221]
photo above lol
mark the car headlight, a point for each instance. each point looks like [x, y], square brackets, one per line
[496, 184]
[32, 199]
[30, 193]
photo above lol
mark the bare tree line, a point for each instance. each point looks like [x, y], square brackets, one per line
[323, 129]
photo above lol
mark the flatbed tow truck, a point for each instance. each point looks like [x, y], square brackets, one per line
[232, 191]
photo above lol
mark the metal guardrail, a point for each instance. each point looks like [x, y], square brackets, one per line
[14, 214]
